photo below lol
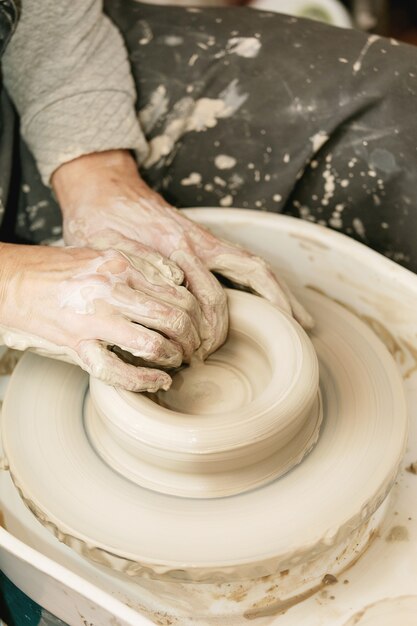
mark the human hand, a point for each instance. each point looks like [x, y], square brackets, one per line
[105, 203]
[75, 303]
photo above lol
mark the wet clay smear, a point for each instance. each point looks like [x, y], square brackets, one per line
[403, 352]
[397, 533]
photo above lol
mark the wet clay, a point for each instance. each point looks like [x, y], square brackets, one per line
[242, 418]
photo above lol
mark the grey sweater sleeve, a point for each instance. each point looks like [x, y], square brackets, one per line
[67, 71]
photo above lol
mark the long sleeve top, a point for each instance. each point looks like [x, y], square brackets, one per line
[67, 71]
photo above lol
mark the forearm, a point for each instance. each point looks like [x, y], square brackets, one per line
[67, 71]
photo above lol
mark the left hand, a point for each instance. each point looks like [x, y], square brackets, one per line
[106, 204]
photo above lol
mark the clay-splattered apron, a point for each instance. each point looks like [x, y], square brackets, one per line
[259, 110]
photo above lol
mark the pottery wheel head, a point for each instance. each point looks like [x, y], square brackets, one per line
[240, 419]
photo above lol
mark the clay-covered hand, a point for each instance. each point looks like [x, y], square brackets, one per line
[76, 304]
[105, 203]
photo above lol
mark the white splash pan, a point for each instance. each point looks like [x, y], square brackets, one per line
[379, 291]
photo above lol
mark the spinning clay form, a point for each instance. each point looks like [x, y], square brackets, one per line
[245, 416]
[274, 453]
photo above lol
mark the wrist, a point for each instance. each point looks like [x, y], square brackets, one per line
[10, 257]
[80, 180]
[10, 267]
[92, 181]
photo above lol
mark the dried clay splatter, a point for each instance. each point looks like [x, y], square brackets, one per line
[188, 115]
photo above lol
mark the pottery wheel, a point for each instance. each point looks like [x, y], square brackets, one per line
[340, 482]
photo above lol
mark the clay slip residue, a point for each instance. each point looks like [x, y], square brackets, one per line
[269, 605]
[412, 468]
[397, 533]
[400, 349]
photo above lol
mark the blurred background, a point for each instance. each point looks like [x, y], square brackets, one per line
[392, 18]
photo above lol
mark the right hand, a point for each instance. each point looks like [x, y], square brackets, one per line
[76, 303]
[106, 204]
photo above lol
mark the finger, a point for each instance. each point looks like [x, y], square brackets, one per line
[211, 297]
[253, 272]
[301, 314]
[141, 342]
[164, 266]
[166, 291]
[155, 314]
[100, 363]
[139, 253]
[145, 277]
